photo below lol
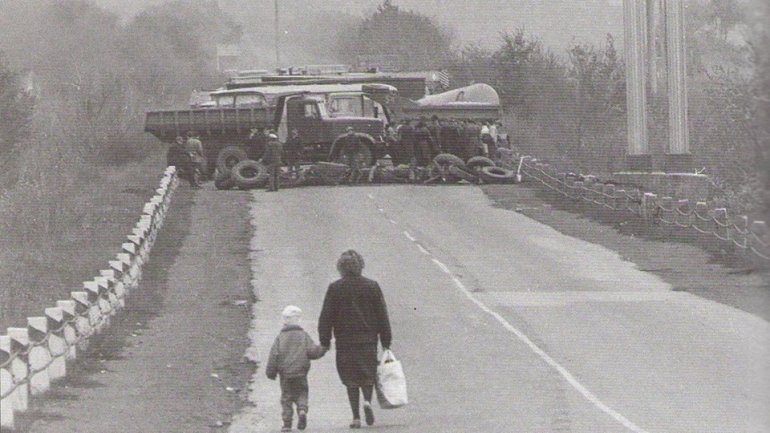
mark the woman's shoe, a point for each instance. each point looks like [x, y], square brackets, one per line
[368, 413]
[356, 423]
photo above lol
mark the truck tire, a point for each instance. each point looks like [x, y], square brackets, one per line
[462, 174]
[497, 175]
[229, 157]
[479, 162]
[365, 154]
[447, 159]
[249, 174]
[223, 181]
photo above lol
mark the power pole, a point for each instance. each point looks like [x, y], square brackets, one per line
[678, 158]
[635, 32]
[277, 37]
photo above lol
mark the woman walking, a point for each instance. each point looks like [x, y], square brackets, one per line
[355, 314]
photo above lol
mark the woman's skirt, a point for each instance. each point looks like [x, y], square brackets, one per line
[357, 364]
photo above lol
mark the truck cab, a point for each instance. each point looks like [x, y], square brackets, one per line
[320, 131]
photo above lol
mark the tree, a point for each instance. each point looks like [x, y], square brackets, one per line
[15, 117]
[411, 41]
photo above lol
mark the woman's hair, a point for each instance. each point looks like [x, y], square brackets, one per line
[350, 263]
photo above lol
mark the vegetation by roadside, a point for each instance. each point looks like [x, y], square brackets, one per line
[49, 247]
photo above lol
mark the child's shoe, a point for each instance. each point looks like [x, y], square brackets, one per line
[368, 413]
[302, 420]
[356, 423]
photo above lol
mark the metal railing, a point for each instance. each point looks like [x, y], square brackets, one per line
[749, 237]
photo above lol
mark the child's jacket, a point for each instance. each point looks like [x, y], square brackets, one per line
[291, 353]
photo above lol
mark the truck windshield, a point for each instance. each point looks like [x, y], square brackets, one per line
[225, 101]
[322, 110]
[251, 100]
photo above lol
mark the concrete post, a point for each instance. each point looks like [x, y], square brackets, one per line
[69, 313]
[86, 320]
[678, 155]
[57, 345]
[635, 35]
[39, 356]
[19, 367]
[7, 397]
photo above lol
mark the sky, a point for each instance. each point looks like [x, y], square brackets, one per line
[556, 22]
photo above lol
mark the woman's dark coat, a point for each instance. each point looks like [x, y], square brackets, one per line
[354, 312]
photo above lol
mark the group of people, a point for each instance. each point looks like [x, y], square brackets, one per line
[418, 142]
[414, 143]
[355, 315]
[186, 153]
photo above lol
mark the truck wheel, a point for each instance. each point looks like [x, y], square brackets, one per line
[478, 162]
[249, 174]
[497, 175]
[364, 155]
[228, 157]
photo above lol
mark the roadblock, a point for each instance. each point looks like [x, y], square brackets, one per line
[34, 357]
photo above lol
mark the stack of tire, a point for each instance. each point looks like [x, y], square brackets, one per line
[450, 168]
[488, 172]
[236, 170]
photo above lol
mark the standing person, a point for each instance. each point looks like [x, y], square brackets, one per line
[486, 139]
[355, 314]
[294, 151]
[352, 151]
[290, 358]
[473, 135]
[406, 138]
[425, 148]
[272, 158]
[435, 133]
[178, 156]
[194, 148]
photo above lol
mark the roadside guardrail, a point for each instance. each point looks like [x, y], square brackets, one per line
[749, 238]
[36, 355]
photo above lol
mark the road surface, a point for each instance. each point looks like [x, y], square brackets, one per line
[502, 323]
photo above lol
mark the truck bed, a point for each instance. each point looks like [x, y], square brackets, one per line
[168, 124]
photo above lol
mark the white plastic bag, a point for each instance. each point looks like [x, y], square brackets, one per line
[391, 382]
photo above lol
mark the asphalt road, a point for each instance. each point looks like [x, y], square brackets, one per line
[502, 323]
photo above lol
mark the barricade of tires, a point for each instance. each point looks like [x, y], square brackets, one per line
[445, 169]
[36, 355]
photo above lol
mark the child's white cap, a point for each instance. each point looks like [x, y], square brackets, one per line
[291, 315]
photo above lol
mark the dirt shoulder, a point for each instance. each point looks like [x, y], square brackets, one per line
[685, 266]
[173, 361]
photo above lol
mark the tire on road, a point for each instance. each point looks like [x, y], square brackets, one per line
[229, 157]
[223, 181]
[333, 168]
[249, 174]
[447, 159]
[497, 175]
[479, 162]
[462, 174]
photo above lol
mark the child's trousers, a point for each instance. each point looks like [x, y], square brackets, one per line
[294, 390]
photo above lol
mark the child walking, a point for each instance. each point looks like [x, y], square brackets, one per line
[290, 359]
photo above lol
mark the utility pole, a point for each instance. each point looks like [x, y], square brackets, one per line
[679, 158]
[635, 32]
[277, 37]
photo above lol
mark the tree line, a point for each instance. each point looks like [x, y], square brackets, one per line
[570, 106]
